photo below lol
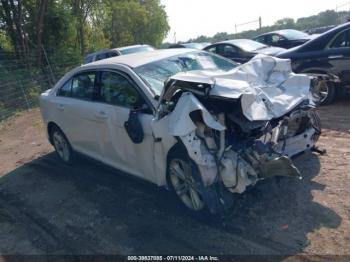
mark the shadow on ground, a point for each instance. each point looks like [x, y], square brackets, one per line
[49, 208]
[335, 116]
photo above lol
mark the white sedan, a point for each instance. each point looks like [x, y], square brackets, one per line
[186, 119]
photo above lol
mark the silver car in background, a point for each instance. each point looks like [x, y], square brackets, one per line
[108, 53]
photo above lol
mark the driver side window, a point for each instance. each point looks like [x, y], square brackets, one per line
[342, 40]
[227, 50]
[276, 38]
[116, 89]
[230, 50]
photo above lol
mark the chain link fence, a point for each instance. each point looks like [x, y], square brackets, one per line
[22, 81]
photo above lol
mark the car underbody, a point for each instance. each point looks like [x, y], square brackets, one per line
[241, 127]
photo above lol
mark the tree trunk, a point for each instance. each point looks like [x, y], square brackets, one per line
[82, 39]
[12, 15]
[40, 28]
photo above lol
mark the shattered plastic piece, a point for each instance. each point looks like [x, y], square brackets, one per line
[236, 173]
[201, 156]
[180, 121]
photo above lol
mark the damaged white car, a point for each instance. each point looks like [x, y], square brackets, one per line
[186, 119]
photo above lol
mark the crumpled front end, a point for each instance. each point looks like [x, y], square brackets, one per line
[237, 127]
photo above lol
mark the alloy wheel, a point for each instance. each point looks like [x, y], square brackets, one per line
[61, 146]
[323, 90]
[185, 185]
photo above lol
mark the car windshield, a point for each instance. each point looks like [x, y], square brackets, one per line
[136, 49]
[293, 34]
[248, 45]
[156, 73]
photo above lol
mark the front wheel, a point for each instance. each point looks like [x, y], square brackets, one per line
[184, 180]
[183, 183]
[62, 145]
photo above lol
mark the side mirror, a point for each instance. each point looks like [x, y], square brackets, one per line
[134, 127]
[143, 108]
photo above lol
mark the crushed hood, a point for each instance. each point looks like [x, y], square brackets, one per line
[266, 86]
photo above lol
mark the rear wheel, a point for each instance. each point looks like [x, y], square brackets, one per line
[326, 91]
[62, 145]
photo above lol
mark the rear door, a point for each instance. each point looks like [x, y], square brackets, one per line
[78, 115]
[118, 95]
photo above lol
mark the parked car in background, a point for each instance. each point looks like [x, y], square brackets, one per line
[318, 30]
[190, 45]
[286, 38]
[327, 56]
[185, 119]
[116, 52]
[242, 50]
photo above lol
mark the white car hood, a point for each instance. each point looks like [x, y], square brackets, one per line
[266, 86]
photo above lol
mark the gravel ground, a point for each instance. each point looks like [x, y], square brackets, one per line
[47, 207]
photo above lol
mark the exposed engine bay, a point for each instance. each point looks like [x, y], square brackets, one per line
[245, 125]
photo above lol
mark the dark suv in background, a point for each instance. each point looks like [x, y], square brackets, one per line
[327, 56]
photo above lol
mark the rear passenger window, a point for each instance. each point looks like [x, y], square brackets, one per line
[66, 89]
[117, 90]
[112, 54]
[88, 59]
[83, 86]
[101, 56]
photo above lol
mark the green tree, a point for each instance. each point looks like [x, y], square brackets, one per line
[135, 22]
[285, 22]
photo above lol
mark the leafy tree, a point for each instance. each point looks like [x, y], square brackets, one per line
[285, 22]
[134, 22]
[70, 28]
[326, 18]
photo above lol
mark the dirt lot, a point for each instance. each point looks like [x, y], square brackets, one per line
[49, 208]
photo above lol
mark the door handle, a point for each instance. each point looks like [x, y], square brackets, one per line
[101, 114]
[335, 56]
[60, 107]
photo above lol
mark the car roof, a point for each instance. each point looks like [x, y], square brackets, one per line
[234, 41]
[138, 59]
[99, 52]
[281, 31]
[113, 49]
[128, 47]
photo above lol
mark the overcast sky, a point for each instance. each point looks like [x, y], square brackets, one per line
[192, 18]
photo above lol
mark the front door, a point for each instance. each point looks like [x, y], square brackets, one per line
[119, 95]
[339, 57]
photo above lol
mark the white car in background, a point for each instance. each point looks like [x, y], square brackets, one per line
[185, 119]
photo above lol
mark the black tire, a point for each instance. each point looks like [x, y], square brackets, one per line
[62, 146]
[207, 194]
[328, 92]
